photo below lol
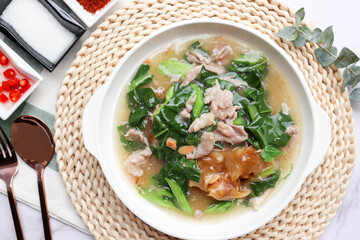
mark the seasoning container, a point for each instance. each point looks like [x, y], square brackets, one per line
[90, 11]
[21, 71]
[40, 27]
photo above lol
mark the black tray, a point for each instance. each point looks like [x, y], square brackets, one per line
[63, 18]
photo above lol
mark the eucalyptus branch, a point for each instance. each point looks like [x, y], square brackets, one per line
[326, 53]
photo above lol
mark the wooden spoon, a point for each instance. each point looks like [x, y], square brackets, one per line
[33, 141]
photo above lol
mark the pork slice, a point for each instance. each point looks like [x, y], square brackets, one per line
[136, 135]
[293, 131]
[230, 133]
[204, 148]
[200, 58]
[197, 57]
[236, 82]
[191, 75]
[185, 113]
[215, 68]
[205, 120]
[134, 163]
[221, 102]
[221, 52]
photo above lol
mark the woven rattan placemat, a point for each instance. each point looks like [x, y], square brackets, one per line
[105, 215]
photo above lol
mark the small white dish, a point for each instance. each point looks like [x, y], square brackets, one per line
[99, 129]
[21, 67]
[88, 18]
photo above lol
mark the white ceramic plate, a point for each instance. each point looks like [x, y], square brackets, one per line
[99, 130]
[15, 61]
[88, 18]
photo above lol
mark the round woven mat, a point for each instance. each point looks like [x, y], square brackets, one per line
[105, 215]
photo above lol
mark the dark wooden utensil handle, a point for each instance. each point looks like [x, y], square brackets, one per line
[14, 212]
[44, 210]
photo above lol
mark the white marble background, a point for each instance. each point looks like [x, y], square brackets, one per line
[344, 15]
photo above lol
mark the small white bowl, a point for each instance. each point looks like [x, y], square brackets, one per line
[15, 61]
[88, 18]
[98, 127]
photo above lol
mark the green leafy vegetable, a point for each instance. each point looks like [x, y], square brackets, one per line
[161, 197]
[199, 103]
[174, 68]
[180, 197]
[142, 77]
[269, 153]
[261, 186]
[145, 96]
[129, 146]
[137, 114]
[223, 83]
[266, 172]
[271, 129]
[193, 138]
[251, 67]
[220, 207]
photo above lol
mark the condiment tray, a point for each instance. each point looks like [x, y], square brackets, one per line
[88, 18]
[24, 69]
[61, 16]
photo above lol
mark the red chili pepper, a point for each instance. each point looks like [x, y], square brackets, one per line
[4, 60]
[3, 98]
[8, 73]
[14, 95]
[92, 6]
[24, 83]
[24, 89]
[5, 86]
[13, 82]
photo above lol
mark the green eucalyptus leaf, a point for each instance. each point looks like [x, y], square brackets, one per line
[356, 79]
[328, 36]
[317, 35]
[324, 58]
[347, 76]
[302, 38]
[346, 58]
[299, 16]
[355, 95]
[288, 34]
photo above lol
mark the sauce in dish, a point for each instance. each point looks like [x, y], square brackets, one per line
[207, 126]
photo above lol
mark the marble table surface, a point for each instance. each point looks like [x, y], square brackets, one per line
[345, 225]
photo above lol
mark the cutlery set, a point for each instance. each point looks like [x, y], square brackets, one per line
[33, 141]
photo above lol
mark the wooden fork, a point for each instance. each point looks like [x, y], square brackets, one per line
[8, 169]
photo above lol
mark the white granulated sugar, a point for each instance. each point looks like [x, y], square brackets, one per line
[39, 28]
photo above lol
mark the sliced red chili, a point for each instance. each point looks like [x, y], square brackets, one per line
[14, 95]
[14, 82]
[24, 89]
[3, 98]
[5, 86]
[9, 73]
[24, 83]
[4, 60]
